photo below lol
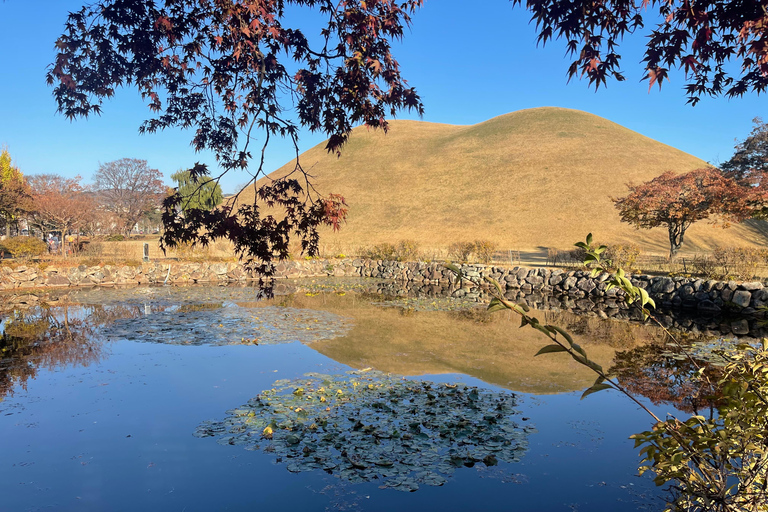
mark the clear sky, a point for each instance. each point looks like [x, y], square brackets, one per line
[469, 64]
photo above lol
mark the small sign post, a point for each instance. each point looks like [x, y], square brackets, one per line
[146, 252]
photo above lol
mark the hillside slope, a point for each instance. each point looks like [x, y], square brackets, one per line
[527, 180]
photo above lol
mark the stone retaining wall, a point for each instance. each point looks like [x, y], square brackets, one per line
[706, 296]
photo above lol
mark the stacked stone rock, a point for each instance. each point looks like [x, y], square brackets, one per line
[705, 296]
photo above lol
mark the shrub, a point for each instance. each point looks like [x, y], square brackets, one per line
[461, 251]
[706, 266]
[622, 255]
[93, 249]
[383, 251]
[738, 262]
[188, 252]
[407, 250]
[484, 250]
[114, 238]
[25, 246]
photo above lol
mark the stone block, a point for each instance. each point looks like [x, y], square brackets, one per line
[741, 298]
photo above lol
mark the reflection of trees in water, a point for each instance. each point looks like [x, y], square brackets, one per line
[650, 371]
[650, 366]
[50, 338]
[614, 333]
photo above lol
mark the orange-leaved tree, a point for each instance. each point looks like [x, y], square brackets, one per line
[60, 203]
[676, 201]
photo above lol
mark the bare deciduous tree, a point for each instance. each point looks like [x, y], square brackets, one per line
[128, 189]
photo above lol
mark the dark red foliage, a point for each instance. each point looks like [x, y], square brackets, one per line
[721, 46]
[232, 72]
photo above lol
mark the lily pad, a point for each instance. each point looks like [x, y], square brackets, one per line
[207, 324]
[367, 425]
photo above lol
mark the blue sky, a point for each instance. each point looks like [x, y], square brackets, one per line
[469, 65]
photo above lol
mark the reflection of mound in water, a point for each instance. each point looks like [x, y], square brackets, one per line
[367, 426]
[212, 324]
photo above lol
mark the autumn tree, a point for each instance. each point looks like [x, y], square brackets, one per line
[200, 193]
[15, 196]
[721, 46]
[237, 75]
[676, 201]
[235, 72]
[60, 203]
[128, 188]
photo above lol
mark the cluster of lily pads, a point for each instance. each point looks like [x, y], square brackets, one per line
[217, 324]
[163, 296]
[710, 351]
[366, 425]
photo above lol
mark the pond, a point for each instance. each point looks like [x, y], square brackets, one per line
[331, 396]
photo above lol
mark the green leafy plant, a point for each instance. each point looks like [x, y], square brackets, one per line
[716, 464]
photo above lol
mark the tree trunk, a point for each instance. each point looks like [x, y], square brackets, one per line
[676, 236]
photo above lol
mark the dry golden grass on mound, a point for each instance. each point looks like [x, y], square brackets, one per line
[527, 181]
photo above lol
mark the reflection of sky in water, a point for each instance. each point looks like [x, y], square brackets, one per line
[118, 431]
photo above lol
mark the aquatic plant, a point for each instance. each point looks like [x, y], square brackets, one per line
[367, 425]
[214, 324]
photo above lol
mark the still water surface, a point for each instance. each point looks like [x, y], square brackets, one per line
[145, 399]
